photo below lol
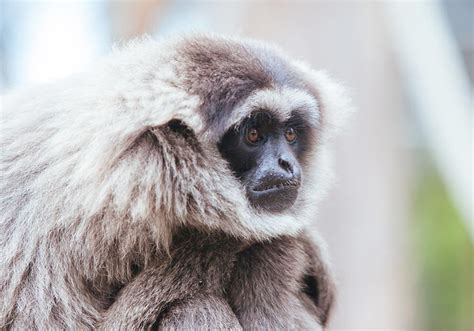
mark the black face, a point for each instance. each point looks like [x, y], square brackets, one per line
[264, 154]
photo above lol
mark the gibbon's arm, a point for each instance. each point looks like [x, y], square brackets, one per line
[184, 291]
[201, 312]
[274, 285]
[154, 299]
[140, 303]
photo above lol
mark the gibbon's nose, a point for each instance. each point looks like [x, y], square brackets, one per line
[288, 168]
[285, 164]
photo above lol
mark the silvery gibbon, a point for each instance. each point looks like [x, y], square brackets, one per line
[170, 186]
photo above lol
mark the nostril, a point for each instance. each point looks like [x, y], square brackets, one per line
[285, 165]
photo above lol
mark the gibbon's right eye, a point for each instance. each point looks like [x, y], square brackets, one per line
[253, 136]
[290, 135]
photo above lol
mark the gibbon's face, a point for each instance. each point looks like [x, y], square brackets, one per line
[265, 155]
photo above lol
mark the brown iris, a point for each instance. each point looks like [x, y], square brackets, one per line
[290, 135]
[253, 135]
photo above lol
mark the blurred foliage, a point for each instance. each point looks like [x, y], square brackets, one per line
[445, 258]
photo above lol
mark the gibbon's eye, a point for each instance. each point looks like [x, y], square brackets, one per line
[253, 136]
[290, 135]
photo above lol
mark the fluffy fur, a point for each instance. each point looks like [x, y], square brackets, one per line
[101, 174]
[282, 284]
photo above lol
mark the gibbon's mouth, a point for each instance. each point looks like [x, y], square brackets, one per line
[274, 197]
[276, 185]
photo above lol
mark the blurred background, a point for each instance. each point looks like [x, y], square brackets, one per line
[399, 222]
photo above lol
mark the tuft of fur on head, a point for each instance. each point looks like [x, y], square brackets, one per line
[103, 168]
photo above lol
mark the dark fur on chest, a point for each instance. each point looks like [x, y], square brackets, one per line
[219, 282]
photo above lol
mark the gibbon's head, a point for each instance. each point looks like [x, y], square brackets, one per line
[202, 131]
[270, 118]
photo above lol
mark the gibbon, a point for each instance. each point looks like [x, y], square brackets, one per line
[170, 186]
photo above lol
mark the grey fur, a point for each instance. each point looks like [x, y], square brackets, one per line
[208, 279]
[97, 188]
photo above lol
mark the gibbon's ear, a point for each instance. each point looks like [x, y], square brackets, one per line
[317, 283]
[177, 130]
[179, 127]
[334, 101]
[175, 133]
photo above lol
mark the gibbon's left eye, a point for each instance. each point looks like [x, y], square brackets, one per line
[290, 135]
[254, 136]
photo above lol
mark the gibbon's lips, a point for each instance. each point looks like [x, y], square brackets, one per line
[274, 196]
[276, 184]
